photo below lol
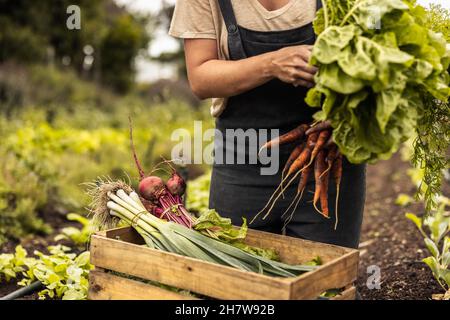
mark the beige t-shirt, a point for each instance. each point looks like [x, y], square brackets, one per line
[202, 19]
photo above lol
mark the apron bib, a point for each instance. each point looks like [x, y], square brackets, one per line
[240, 190]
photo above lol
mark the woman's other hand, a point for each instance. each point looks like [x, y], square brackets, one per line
[291, 65]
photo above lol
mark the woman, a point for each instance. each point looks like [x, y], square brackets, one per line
[251, 57]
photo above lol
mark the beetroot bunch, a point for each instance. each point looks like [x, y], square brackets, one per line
[163, 199]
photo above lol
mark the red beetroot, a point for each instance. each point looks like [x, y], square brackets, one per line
[166, 201]
[176, 184]
[151, 188]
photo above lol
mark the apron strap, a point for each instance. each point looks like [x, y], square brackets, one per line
[318, 5]
[235, 46]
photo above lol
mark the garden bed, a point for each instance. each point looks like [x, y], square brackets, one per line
[391, 241]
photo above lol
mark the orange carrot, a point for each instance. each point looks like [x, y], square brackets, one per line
[291, 136]
[304, 180]
[319, 168]
[321, 126]
[298, 197]
[336, 172]
[333, 152]
[321, 141]
[312, 140]
[300, 161]
[324, 177]
[295, 169]
[294, 155]
[304, 156]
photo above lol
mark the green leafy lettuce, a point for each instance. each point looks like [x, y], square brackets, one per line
[383, 78]
[211, 224]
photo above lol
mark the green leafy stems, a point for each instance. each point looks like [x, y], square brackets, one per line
[437, 241]
[63, 274]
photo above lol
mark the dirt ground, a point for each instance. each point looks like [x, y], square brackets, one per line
[392, 242]
[389, 240]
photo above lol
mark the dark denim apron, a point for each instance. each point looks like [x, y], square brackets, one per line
[239, 190]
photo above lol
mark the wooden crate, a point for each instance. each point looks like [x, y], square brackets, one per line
[122, 251]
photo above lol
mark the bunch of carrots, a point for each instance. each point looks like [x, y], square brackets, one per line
[313, 152]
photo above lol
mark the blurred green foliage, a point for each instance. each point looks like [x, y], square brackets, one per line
[440, 19]
[63, 274]
[435, 230]
[36, 32]
[66, 133]
[80, 237]
[197, 199]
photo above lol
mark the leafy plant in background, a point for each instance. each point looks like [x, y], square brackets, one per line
[12, 264]
[63, 274]
[439, 19]
[49, 157]
[198, 193]
[79, 237]
[435, 230]
[20, 201]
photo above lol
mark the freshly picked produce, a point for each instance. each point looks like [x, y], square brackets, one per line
[162, 199]
[312, 156]
[211, 224]
[383, 78]
[116, 201]
[157, 213]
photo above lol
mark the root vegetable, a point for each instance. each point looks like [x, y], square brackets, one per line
[319, 168]
[321, 141]
[324, 177]
[321, 126]
[336, 172]
[331, 157]
[298, 197]
[154, 190]
[176, 185]
[289, 137]
[294, 155]
[313, 155]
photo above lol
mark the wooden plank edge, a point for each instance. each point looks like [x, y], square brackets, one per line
[347, 294]
[311, 284]
[101, 255]
[107, 286]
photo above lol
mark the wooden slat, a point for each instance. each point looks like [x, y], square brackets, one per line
[294, 250]
[106, 286]
[291, 250]
[336, 274]
[186, 273]
[339, 270]
[347, 294]
[126, 234]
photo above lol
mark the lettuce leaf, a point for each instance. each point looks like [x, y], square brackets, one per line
[383, 79]
[211, 224]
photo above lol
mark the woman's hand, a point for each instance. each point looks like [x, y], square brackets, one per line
[291, 65]
[211, 77]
